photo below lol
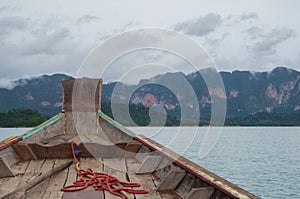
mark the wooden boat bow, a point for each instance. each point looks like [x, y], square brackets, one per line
[105, 147]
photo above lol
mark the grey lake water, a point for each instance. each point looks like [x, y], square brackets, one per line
[7, 132]
[262, 160]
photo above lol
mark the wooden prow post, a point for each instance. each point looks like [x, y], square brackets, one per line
[81, 102]
[81, 94]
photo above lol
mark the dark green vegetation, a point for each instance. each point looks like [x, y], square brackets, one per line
[42, 93]
[266, 119]
[21, 118]
[248, 95]
[140, 116]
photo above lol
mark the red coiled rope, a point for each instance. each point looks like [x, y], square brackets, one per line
[100, 181]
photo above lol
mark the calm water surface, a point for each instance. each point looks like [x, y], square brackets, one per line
[7, 132]
[262, 160]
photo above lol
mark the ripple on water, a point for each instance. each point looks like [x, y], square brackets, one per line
[262, 160]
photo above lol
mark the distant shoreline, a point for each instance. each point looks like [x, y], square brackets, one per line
[26, 127]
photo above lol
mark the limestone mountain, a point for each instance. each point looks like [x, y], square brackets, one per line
[246, 93]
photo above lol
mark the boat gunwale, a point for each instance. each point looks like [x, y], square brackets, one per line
[212, 179]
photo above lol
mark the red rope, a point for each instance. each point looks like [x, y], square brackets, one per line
[100, 181]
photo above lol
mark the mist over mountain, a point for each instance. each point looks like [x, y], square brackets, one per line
[42, 93]
[246, 93]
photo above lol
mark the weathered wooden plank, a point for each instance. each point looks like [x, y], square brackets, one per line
[145, 181]
[117, 168]
[112, 133]
[131, 149]
[9, 156]
[101, 151]
[51, 128]
[20, 168]
[10, 184]
[149, 164]
[86, 92]
[190, 181]
[132, 165]
[203, 193]
[164, 167]
[5, 171]
[56, 128]
[38, 191]
[57, 139]
[86, 123]
[89, 194]
[170, 195]
[56, 182]
[142, 153]
[133, 146]
[172, 180]
[72, 175]
[93, 164]
[69, 126]
[20, 192]
[62, 150]
[34, 167]
[24, 151]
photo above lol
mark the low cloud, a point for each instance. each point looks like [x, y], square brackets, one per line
[233, 20]
[2, 8]
[9, 9]
[216, 41]
[11, 24]
[47, 43]
[263, 47]
[248, 16]
[268, 42]
[39, 47]
[201, 26]
[254, 32]
[9, 83]
[87, 19]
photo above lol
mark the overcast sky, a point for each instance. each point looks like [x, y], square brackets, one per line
[46, 37]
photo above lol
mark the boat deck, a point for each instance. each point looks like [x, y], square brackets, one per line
[29, 171]
[41, 160]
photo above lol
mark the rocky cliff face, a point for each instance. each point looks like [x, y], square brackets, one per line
[275, 91]
[246, 93]
[42, 93]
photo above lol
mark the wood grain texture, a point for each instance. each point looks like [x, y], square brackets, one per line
[203, 193]
[35, 180]
[146, 182]
[56, 182]
[5, 170]
[88, 194]
[116, 167]
[20, 168]
[149, 164]
[172, 180]
[93, 164]
[86, 92]
[24, 151]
